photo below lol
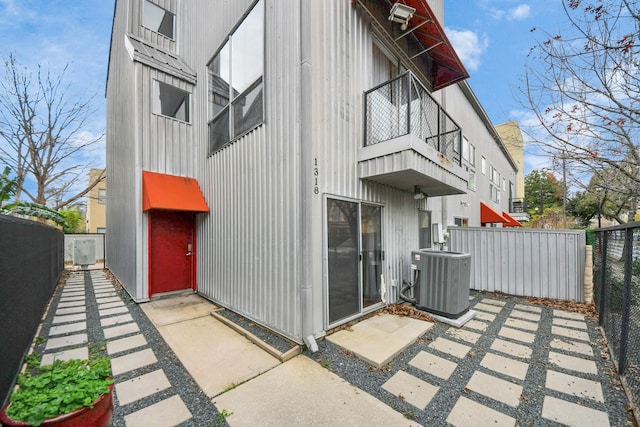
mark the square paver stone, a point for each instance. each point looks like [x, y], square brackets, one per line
[68, 328]
[379, 339]
[511, 348]
[410, 389]
[525, 307]
[434, 365]
[570, 333]
[493, 302]
[467, 413]
[505, 365]
[516, 334]
[166, 413]
[115, 310]
[119, 330]
[572, 414]
[69, 318]
[476, 324]
[572, 346]
[487, 307]
[495, 388]
[576, 386]
[66, 304]
[568, 314]
[74, 353]
[116, 320]
[450, 347]
[129, 362]
[123, 344]
[534, 317]
[142, 386]
[464, 335]
[482, 315]
[66, 341]
[70, 310]
[568, 323]
[521, 324]
[573, 363]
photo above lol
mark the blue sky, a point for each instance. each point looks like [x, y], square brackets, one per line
[492, 37]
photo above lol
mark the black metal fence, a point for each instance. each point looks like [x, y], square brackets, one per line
[31, 262]
[617, 297]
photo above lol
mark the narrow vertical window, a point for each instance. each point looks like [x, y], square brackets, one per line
[236, 82]
[157, 19]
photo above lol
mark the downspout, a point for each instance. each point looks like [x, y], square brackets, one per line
[306, 159]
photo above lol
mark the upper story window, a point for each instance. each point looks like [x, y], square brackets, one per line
[236, 82]
[170, 101]
[158, 19]
[102, 196]
[483, 165]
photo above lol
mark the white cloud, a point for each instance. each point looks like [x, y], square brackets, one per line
[519, 13]
[469, 46]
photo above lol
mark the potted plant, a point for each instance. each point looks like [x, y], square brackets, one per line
[66, 393]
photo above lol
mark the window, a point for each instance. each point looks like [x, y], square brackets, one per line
[461, 222]
[494, 185]
[424, 229]
[465, 148]
[236, 83]
[157, 19]
[170, 101]
[101, 230]
[472, 154]
[483, 165]
[102, 196]
[471, 184]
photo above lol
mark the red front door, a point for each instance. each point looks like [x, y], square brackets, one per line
[171, 248]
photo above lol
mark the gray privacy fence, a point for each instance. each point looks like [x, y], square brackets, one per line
[617, 296]
[31, 262]
[79, 247]
[525, 262]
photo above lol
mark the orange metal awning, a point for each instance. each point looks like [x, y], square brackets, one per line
[171, 192]
[489, 215]
[511, 221]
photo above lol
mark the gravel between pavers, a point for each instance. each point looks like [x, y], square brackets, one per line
[203, 412]
[276, 341]
[529, 410]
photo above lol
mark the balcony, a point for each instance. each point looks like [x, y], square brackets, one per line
[410, 140]
[518, 209]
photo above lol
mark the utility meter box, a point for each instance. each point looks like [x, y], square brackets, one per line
[84, 252]
[442, 282]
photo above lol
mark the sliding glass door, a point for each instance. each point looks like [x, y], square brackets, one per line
[354, 257]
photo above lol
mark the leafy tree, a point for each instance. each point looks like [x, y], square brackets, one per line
[542, 191]
[7, 186]
[583, 206]
[582, 85]
[43, 135]
[74, 220]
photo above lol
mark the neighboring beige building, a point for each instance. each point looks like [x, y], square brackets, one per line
[511, 135]
[97, 204]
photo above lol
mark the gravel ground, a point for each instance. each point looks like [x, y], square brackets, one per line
[204, 413]
[363, 375]
[527, 413]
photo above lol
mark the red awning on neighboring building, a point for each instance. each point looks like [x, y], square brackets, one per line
[511, 221]
[489, 215]
[171, 192]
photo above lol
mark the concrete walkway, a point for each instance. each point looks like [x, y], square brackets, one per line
[175, 364]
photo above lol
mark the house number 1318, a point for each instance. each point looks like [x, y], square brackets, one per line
[316, 172]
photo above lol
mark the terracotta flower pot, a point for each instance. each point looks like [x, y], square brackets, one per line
[98, 416]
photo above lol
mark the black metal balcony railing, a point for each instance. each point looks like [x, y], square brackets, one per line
[517, 205]
[403, 106]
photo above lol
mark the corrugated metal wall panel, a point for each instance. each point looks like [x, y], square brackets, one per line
[122, 251]
[526, 262]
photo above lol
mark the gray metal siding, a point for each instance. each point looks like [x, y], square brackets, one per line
[123, 197]
[525, 262]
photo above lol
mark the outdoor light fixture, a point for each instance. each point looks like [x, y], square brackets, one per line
[418, 194]
[401, 13]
